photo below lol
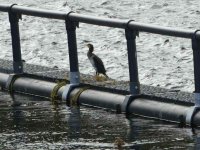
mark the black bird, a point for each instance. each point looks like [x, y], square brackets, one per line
[96, 61]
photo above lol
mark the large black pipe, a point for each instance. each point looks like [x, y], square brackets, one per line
[34, 86]
[3, 79]
[28, 85]
[99, 99]
[109, 22]
[157, 109]
[144, 106]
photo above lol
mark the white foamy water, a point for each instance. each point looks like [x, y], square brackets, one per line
[162, 61]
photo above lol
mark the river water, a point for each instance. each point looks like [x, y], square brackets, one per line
[163, 61]
[33, 123]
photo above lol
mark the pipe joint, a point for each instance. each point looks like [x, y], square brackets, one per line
[11, 6]
[195, 42]
[130, 33]
[124, 106]
[10, 82]
[193, 110]
[70, 25]
[127, 101]
[13, 16]
[54, 92]
[67, 91]
[190, 115]
[74, 100]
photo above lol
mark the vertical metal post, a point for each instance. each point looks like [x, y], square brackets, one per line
[196, 59]
[132, 61]
[16, 48]
[73, 57]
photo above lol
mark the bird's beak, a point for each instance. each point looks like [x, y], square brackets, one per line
[88, 45]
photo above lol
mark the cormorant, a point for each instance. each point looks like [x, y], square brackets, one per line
[96, 61]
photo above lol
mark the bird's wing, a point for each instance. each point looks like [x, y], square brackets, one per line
[99, 64]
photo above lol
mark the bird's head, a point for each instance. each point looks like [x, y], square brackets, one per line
[91, 48]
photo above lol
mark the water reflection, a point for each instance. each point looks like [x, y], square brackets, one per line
[151, 134]
[16, 114]
[197, 143]
[74, 123]
[32, 123]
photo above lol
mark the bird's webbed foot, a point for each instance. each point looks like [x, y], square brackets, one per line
[100, 78]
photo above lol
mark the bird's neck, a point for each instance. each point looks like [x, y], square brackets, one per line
[89, 54]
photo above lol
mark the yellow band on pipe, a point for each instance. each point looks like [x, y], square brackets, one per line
[74, 99]
[54, 92]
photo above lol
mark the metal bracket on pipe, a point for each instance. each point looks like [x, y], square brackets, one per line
[134, 88]
[74, 77]
[128, 99]
[10, 81]
[66, 92]
[195, 35]
[67, 20]
[190, 114]
[10, 9]
[18, 16]
[74, 99]
[130, 35]
[192, 110]
[18, 66]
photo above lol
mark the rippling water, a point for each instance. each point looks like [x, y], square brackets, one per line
[163, 61]
[33, 123]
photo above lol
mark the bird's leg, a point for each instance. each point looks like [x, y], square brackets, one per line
[98, 78]
[96, 75]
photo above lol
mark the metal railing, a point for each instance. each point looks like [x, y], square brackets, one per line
[131, 30]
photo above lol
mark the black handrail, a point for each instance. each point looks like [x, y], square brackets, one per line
[109, 22]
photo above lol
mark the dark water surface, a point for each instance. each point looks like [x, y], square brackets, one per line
[33, 123]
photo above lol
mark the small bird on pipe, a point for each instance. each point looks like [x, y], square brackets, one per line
[96, 62]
